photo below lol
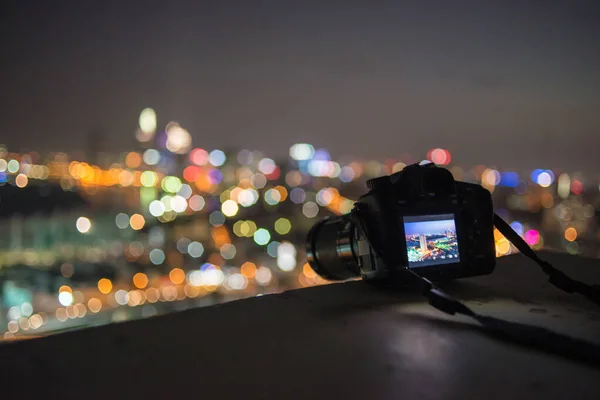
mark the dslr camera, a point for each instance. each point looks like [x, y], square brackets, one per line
[419, 219]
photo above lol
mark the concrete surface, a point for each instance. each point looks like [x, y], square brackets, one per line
[340, 341]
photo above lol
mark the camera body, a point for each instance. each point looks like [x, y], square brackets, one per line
[419, 218]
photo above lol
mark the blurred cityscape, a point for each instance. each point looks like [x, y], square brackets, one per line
[94, 238]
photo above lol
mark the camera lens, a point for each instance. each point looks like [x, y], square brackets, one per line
[330, 248]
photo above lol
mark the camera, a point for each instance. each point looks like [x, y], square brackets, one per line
[419, 219]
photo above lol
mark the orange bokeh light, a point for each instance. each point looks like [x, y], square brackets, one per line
[137, 222]
[105, 285]
[248, 269]
[177, 276]
[140, 280]
[571, 234]
[133, 160]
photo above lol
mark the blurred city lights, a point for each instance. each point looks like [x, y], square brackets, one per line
[564, 185]
[65, 298]
[310, 209]
[228, 251]
[517, 227]
[171, 184]
[545, 178]
[185, 191]
[248, 269]
[217, 158]
[95, 305]
[140, 280]
[532, 237]
[237, 281]
[272, 197]
[439, 156]
[297, 195]
[121, 297]
[21, 180]
[185, 210]
[156, 208]
[263, 276]
[308, 271]
[149, 178]
[178, 204]
[26, 309]
[197, 202]
[510, 179]
[151, 157]
[248, 197]
[105, 286]
[576, 186]
[286, 256]
[179, 140]
[177, 276]
[267, 166]
[283, 226]
[571, 234]
[199, 157]
[137, 222]
[272, 248]
[195, 249]
[13, 166]
[83, 224]
[216, 218]
[157, 256]
[262, 236]
[147, 123]
[491, 177]
[302, 151]
[229, 208]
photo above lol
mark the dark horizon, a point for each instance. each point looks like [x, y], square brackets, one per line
[509, 85]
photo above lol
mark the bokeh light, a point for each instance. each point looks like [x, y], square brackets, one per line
[229, 208]
[105, 285]
[263, 276]
[197, 202]
[83, 224]
[248, 269]
[137, 222]
[532, 237]
[147, 123]
[21, 180]
[157, 256]
[262, 236]
[156, 208]
[195, 249]
[283, 226]
[65, 298]
[177, 276]
[302, 151]
[217, 158]
[151, 157]
[571, 234]
[310, 209]
[140, 280]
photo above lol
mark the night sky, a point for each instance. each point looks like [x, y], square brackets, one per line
[514, 84]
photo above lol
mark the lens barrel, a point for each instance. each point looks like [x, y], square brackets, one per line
[330, 248]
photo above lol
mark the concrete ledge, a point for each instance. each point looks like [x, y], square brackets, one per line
[346, 340]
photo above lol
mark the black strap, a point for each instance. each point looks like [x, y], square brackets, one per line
[518, 333]
[555, 277]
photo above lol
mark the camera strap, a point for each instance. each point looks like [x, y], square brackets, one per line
[555, 277]
[514, 332]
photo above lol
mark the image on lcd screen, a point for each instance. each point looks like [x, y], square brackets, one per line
[431, 240]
